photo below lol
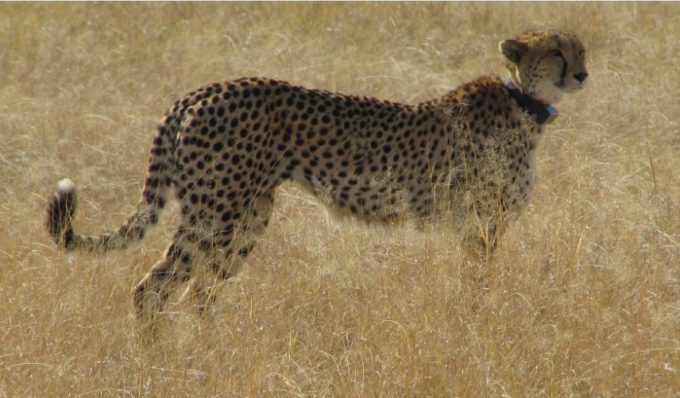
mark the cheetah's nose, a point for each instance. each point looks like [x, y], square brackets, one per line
[581, 76]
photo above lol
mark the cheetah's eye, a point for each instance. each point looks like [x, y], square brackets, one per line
[556, 53]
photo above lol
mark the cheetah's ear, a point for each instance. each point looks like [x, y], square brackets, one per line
[513, 50]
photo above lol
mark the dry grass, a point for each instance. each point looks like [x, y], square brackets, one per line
[582, 300]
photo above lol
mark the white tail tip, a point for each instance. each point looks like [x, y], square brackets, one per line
[66, 185]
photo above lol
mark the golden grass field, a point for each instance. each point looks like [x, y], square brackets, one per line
[582, 299]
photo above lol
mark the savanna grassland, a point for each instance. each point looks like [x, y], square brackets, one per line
[582, 299]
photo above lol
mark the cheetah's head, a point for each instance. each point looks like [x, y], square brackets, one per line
[546, 64]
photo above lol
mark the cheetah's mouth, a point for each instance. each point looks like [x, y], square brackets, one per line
[569, 88]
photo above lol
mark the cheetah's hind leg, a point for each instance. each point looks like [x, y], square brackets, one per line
[226, 251]
[152, 292]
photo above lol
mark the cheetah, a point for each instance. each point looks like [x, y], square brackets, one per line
[225, 148]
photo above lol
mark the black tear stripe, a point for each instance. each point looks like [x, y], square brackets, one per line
[564, 68]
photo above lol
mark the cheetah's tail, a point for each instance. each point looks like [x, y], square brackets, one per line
[60, 212]
[61, 209]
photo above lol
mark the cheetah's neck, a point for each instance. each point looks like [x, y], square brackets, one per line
[541, 112]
